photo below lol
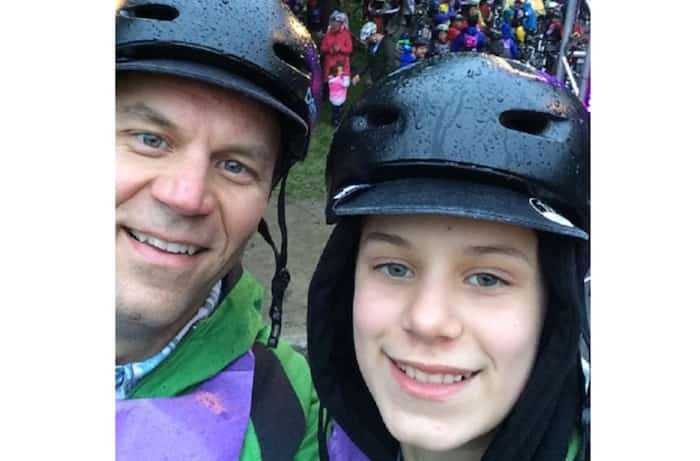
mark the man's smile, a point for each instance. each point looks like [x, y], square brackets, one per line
[161, 250]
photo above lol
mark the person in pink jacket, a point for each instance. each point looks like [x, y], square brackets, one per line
[338, 84]
[336, 45]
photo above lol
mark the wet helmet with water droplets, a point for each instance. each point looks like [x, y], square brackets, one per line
[263, 52]
[492, 139]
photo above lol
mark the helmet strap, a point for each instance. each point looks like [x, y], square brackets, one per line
[281, 278]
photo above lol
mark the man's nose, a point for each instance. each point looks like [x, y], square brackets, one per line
[185, 186]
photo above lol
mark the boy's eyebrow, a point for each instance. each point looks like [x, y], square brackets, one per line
[388, 238]
[498, 249]
[143, 112]
[473, 250]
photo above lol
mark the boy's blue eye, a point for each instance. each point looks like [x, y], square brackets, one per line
[395, 270]
[485, 280]
[151, 140]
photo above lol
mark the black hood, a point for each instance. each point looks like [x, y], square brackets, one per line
[547, 413]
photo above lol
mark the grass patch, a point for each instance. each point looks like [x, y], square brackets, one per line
[307, 179]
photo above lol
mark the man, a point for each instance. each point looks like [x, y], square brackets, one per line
[441, 44]
[214, 105]
[471, 8]
[381, 59]
[525, 15]
[421, 47]
[471, 38]
[457, 26]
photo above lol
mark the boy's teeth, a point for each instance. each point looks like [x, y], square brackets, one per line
[424, 377]
[411, 372]
[170, 247]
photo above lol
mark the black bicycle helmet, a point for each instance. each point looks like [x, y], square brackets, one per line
[466, 135]
[480, 144]
[261, 51]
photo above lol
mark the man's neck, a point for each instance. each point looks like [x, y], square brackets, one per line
[135, 343]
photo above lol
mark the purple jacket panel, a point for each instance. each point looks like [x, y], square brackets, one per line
[208, 423]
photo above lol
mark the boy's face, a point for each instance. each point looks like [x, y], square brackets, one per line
[447, 314]
[421, 51]
[442, 36]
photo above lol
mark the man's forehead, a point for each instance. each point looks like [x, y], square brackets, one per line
[164, 101]
[140, 85]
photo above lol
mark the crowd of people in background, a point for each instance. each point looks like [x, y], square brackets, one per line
[398, 33]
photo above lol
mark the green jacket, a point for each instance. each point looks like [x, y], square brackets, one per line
[574, 446]
[215, 342]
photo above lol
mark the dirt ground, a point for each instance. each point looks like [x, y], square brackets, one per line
[307, 234]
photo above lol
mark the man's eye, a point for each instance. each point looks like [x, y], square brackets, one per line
[395, 270]
[233, 166]
[485, 280]
[151, 140]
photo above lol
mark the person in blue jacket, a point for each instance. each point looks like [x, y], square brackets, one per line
[509, 46]
[525, 15]
[406, 48]
[445, 12]
[471, 38]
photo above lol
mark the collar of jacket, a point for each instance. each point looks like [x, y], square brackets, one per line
[211, 345]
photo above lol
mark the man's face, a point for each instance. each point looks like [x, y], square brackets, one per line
[421, 51]
[442, 36]
[335, 25]
[447, 314]
[194, 170]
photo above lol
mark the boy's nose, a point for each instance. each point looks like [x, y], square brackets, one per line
[431, 316]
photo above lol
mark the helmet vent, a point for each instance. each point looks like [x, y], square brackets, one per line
[291, 57]
[154, 11]
[377, 117]
[526, 121]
